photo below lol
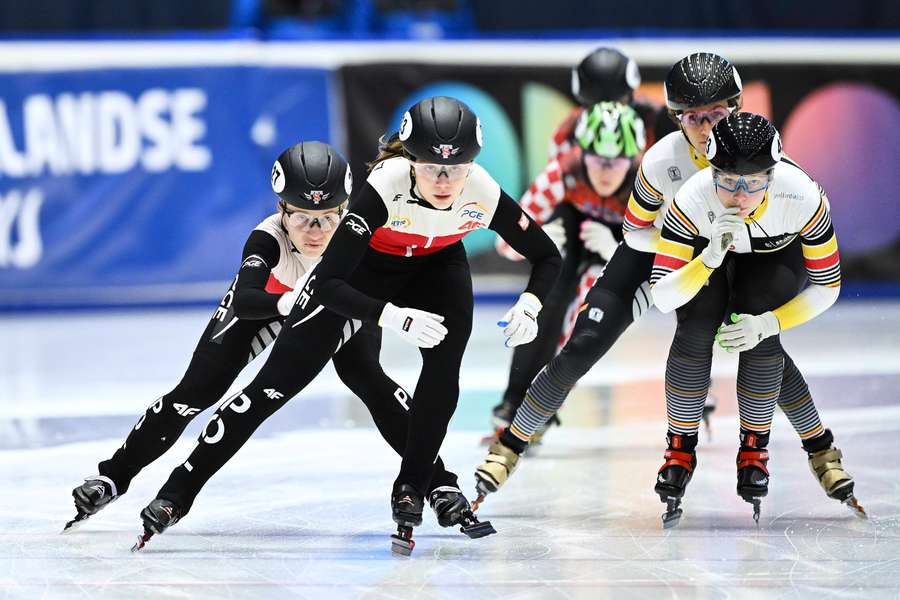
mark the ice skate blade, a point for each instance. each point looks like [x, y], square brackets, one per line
[670, 520]
[401, 546]
[853, 504]
[75, 523]
[478, 530]
[141, 541]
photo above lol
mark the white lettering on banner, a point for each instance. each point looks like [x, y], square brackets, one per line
[106, 132]
[21, 246]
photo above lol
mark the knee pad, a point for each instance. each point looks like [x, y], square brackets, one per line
[596, 331]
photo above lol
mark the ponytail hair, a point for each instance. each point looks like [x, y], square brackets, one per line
[389, 146]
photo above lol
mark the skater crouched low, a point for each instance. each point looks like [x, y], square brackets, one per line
[739, 244]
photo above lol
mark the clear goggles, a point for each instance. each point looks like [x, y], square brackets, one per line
[304, 222]
[620, 163]
[432, 172]
[749, 183]
[695, 118]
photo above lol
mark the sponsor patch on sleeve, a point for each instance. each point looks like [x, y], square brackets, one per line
[357, 224]
[254, 261]
[523, 221]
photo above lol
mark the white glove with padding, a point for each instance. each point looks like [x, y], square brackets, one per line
[598, 238]
[556, 231]
[746, 331]
[520, 322]
[724, 228]
[417, 327]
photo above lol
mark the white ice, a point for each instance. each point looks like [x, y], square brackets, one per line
[302, 510]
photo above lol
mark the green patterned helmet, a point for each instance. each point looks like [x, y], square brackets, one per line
[611, 130]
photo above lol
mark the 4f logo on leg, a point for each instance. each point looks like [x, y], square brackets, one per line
[184, 410]
[273, 393]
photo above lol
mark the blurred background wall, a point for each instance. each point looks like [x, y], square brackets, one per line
[136, 138]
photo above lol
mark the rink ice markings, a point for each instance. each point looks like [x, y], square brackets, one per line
[556, 523]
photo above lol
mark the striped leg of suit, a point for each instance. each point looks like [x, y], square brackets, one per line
[543, 398]
[687, 379]
[797, 403]
[605, 316]
[759, 384]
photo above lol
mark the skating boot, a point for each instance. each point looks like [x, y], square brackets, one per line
[501, 461]
[406, 506]
[91, 497]
[157, 516]
[674, 475]
[452, 508]
[752, 472]
[709, 407]
[826, 467]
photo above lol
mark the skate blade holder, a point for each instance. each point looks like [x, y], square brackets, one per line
[756, 501]
[477, 529]
[673, 513]
[402, 543]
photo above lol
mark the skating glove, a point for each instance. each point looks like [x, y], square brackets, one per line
[419, 328]
[746, 331]
[287, 300]
[556, 231]
[520, 322]
[598, 238]
[724, 228]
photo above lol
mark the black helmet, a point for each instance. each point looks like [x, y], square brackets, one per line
[744, 143]
[313, 176]
[441, 130]
[605, 75]
[702, 78]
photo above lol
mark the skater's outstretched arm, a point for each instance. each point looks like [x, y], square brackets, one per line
[524, 235]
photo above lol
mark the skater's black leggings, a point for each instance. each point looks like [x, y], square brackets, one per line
[528, 359]
[745, 283]
[215, 365]
[439, 283]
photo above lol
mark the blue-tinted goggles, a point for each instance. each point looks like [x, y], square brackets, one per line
[749, 183]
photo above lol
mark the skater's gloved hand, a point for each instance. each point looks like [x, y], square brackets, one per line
[724, 229]
[520, 322]
[419, 328]
[598, 238]
[287, 300]
[746, 331]
[556, 231]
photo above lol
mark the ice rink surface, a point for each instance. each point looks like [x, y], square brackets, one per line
[302, 511]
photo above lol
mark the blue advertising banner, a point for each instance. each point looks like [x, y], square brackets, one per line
[141, 185]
